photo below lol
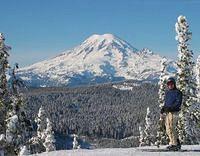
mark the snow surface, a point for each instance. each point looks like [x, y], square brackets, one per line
[126, 86]
[123, 152]
[122, 87]
[105, 57]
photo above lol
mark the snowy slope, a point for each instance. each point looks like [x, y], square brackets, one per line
[99, 59]
[124, 152]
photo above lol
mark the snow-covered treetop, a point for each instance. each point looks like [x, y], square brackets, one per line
[41, 111]
[2, 45]
[182, 30]
[75, 135]
[163, 63]
[2, 38]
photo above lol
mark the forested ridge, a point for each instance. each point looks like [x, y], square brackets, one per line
[97, 111]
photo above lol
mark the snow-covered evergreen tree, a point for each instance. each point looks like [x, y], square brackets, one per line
[37, 142]
[141, 140]
[41, 123]
[161, 134]
[13, 133]
[185, 78]
[4, 98]
[198, 78]
[25, 124]
[197, 111]
[148, 138]
[18, 127]
[12, 120]
[193, 120]
[75, 142]
[193, 113]
[49, 143]
[6, 122]
[161, 83]
[36, 145]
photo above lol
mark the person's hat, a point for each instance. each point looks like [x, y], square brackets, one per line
[171, 80]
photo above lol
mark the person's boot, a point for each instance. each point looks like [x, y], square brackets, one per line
[169, 146]
[173, 148]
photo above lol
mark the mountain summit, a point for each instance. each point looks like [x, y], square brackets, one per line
[99, 59]
[108, 41]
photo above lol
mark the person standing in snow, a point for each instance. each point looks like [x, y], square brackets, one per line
[170, 110]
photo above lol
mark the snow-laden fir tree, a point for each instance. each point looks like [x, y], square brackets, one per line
[198, 78]
[141, 140]
[161, 133]
[3, 83]
[148, 134]
[49, 143]
[197, 111]
[37, 142]
[41, 123]
[75, 142]
[9, 126]
[185, 78]
[162, 82]
[194, 123]
[36, 145]
[12, 119]
[25, 124]
[4, 98]
[194, 110]
[18, 127]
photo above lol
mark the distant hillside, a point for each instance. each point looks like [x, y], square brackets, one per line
[104, 111]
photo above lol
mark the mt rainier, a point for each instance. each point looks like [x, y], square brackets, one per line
[99, 59]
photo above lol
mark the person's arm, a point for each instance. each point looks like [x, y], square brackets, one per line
[162, 110]
[163, 107]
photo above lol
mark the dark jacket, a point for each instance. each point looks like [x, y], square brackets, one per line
[173, 100]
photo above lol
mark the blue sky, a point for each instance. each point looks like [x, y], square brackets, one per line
[41, 29]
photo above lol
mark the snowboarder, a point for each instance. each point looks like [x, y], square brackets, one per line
[170, 111]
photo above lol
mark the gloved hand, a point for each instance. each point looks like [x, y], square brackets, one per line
[162, 116]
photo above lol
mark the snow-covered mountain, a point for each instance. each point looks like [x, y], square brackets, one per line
[99, 59]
